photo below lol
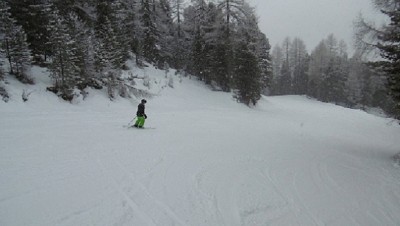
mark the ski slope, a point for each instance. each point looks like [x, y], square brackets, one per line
[208, 162]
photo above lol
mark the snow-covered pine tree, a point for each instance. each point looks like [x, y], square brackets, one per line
[15, 45]
[343, 73]
[264, 61]
[299, 59]
[165, 27]
[284, 82]
[179, 46]
[2, 57]
[111, 45]
[248, 78]
[198, 14]
[3, 13]
[150, 34]
[336, 72]
[33, 17]
[64, 61]
[386, 40]
[389, 47]
[83, 50]
[318, 64]
[20, 56]
[177, 7]
[221, 68]
[105, 57]
[277, 62]
[328, 71]
[358, 84]
[130, 23]
[232, 12]
[122, 39]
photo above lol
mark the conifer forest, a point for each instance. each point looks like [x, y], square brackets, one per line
[87, 44]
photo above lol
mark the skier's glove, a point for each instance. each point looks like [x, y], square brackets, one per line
[145, 116]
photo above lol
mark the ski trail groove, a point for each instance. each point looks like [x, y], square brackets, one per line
[160, 213]
[132, 204]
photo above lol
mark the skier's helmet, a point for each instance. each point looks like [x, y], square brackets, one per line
[144, 101]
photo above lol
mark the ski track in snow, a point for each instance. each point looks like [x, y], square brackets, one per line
[211, 161]
[152, 210]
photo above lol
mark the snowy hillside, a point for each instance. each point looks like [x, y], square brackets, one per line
[208, 162]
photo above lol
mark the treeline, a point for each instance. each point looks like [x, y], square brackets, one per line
[86, 43]
[329, 75]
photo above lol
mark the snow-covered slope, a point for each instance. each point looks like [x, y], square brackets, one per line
[209, 161]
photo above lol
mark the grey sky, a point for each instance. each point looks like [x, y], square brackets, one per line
[310, 20]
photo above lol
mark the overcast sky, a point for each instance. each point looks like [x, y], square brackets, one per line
[310, 20]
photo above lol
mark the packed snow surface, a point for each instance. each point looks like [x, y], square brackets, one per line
[206, 161]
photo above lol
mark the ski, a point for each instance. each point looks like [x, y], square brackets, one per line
[132, 127]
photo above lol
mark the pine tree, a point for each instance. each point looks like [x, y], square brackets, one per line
[247, 75]
[199, 24]
[250, 57]
[130, 26]
[277, 62]
[233, 12]
[20, 55]
[107, 61]
[328, 71]
[264, 61]
[177, 7]
[83, 50]
[151, 35]
[33, 17]
[284, 82]
[389, 47]
[15, 45]
[4, 17]
[2, 57]
[299, 59]
[122, 38]
[112, 44]
[205, 32]
[221, 66]
[359, 83]
[63, 66]
[336, 71]
[317, 70]
[165, 26]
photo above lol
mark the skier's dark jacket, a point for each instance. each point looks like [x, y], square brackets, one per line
[140, 111]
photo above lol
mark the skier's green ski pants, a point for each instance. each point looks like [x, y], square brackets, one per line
[140, 121]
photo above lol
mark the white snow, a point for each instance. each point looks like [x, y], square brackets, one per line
[209, 161]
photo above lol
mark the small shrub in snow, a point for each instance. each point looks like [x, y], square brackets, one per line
[24, 78]
[4, 94]
[84, 94]
[146, 81]
[25, 95]
[171, 82]
[96, 84]
[123, 91]
[65, 94]
[52, 89]
[68, 96]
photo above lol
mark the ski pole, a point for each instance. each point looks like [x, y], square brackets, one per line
[131, 121]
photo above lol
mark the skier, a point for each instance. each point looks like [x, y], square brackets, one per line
[141, 116]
